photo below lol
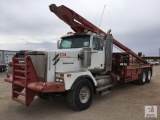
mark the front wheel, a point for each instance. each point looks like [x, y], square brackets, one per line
[80, 97]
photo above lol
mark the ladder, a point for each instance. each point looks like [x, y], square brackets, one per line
[23, 74]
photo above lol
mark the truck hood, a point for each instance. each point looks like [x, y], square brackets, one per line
[67, 60]
[68, 53]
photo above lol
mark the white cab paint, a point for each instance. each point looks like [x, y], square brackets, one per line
[69, 60]
[74, 75]
[98, 57]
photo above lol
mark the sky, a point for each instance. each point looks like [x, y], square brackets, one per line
[29, 24]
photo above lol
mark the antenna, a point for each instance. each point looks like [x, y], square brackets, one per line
[101, 18]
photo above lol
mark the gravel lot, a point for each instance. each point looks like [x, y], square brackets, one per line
[125, 102]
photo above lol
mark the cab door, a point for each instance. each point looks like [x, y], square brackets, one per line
[98, 54]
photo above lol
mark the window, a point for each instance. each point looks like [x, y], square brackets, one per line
[66, 44]
[77, 41]
[97, 43]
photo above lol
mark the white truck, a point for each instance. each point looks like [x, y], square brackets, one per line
[153, 62]
[83, 65]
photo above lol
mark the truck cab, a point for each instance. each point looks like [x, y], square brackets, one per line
[78, 55]
[88, 40]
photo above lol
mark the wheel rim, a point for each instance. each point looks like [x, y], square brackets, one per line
[84, 94]
[144, 77]
[149, 75]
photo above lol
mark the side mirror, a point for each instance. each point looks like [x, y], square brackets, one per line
[58, 43]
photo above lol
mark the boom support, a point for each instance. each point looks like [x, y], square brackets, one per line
[79, 24]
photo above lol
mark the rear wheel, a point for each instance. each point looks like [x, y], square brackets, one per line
[80, 97]
[142, 79]
[148, 76]
[1, 69]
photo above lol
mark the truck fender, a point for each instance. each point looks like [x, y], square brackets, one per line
[84, 77]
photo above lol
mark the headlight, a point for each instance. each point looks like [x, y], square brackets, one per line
[59, 79]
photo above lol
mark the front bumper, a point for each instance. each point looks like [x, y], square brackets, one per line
[39, 86]
[47, 87]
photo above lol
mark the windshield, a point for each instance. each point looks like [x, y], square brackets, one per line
[77, 41]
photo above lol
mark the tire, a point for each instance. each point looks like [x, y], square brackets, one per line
[5, 68]
[42, 95]
[148, 76]
[1, 69]
[142, 79]
[81, 96]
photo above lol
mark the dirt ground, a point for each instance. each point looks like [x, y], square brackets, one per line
[125, 102]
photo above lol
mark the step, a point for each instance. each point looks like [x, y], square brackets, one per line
[22, 65]
[20, 101]
[19, 83]
[19, 71]
[102, 77]
[103, 88]
[20, 77]
[104, 92]
[19, 93]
